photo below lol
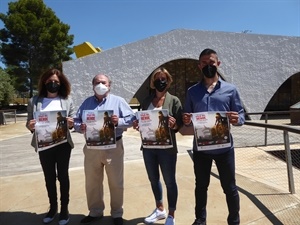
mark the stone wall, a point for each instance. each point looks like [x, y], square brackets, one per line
[257, 64]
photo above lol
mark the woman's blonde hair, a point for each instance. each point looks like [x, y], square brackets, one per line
[158, 71]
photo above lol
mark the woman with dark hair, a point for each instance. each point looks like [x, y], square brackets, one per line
[53, 95]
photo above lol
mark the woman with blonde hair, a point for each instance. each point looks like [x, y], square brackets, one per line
[163, 159]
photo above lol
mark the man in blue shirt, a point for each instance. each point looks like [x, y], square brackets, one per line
[112, 159]
[214, 94]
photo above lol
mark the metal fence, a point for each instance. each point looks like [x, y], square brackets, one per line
[8, 116]
[271, 146]
[272, 153]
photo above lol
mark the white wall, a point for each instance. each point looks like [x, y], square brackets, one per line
[256, 64]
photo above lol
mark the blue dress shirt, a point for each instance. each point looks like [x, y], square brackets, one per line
[224, 97]
[111, 102]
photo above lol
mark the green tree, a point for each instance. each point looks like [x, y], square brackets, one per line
[33, 39]
[6, 89]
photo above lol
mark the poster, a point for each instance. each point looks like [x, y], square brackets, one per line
[211, 130]
[154, 129]
[100, 131]
[51, 128]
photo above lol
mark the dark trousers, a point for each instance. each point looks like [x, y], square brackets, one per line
[226, 167]
[161, 158]
[55, 164]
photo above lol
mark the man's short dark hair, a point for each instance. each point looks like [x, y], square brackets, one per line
[207, 51]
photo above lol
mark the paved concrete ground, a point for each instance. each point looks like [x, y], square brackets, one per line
[23, 198]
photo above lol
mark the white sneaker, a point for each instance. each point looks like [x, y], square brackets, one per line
[170, 220]
[156, 215]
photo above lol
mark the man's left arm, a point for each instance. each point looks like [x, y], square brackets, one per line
[237, 117]
[126, 115]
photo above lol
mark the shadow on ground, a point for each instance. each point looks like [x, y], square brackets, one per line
[295, 154]
[29, 218]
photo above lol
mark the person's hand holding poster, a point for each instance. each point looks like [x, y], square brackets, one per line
[212, 130]
[154, 129]
[50, 128]
[100, 131]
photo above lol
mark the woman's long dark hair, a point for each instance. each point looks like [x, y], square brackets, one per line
[65, 86]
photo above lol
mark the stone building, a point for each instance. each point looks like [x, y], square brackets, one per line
[265, 68]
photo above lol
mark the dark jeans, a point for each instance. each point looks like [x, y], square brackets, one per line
[155, 158]
[226, 167]
[55, 163]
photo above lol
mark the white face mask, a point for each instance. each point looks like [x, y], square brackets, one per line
[100, 89]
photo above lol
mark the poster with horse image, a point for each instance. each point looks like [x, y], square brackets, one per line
[50, 129]
[211, 130]
[154, 129]
[100, 131]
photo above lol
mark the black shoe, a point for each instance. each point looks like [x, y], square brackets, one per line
[118, 221]
[199, 222]
[90, 219]
[50, 215]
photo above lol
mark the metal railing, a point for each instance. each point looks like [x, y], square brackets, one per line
[6, 114]
[277, 114]
[286, 140]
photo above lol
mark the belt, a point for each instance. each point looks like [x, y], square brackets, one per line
[118, 138]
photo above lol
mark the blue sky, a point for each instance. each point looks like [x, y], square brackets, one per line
[112, 23]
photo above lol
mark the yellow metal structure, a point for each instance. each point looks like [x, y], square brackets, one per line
[86, 48]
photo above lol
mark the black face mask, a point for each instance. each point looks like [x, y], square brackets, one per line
[209, 71]
[52, 87]
[160, 85]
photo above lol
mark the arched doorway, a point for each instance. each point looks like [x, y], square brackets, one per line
[287, 95]
[185, 73]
